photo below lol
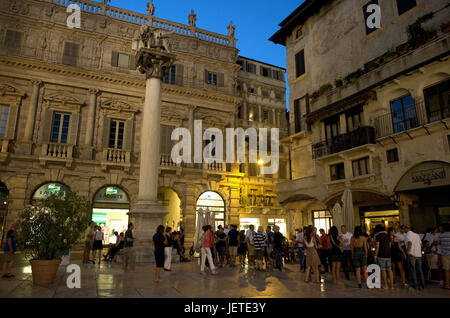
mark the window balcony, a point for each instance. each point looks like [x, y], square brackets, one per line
[413, 116]
[56, 152]
[116, 158]
[359, 137]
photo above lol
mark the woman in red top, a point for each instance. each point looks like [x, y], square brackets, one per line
[207, 242]
[324, 252]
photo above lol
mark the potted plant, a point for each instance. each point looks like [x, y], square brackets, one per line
[49, 229]
[403, 49]
[417, 35]
[352, 78]
[338, 83]
[324, 89]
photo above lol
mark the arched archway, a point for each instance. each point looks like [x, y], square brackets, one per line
[213, 201]
[4, 192]
[170, 200]
[111, 205]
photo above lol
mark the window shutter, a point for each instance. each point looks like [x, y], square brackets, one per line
[106, 128]
[261, 70]
[70, 54]
[179, 69]
[47, 125]
[11, 122]
[220, 80]
[128, 145]
[13, 39]
[206, 76]
[115, 58]
[132, 62]
[73, 130]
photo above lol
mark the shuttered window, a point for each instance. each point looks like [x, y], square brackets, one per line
[116, 134]
[70, 56]
[4, 111]
[60, 128]
[166, 142]
[123, 60]
[300, 63]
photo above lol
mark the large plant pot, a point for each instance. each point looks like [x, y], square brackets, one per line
[44, 271]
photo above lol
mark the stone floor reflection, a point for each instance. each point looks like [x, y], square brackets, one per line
[109, 280]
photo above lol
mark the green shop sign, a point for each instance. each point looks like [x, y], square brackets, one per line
[48, 189]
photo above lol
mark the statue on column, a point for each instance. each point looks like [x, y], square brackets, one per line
[192, 18]
[148, 38]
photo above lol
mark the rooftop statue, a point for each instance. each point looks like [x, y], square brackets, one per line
[151, 8]
[192, 18]
[231, 30]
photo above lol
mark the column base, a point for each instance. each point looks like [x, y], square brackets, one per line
[147, 216]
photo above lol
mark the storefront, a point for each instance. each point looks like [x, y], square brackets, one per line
[110, 211]
[213, 202]
[245, 222]
[386, 215]
[427, 185]
[322, 220]
[47, 189]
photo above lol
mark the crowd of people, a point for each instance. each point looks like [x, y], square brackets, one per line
[401, 253]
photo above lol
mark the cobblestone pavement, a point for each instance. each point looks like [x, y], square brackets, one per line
[109, 280]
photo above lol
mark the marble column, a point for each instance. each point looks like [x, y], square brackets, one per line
[148, 214]
[191, 130]
[31, 116]
[88, 147]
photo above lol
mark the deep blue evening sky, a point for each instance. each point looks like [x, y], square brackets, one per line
[255, 20]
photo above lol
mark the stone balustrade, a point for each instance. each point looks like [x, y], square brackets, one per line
[116, 156]
[139, 18]
[60, 151]
[166, 161]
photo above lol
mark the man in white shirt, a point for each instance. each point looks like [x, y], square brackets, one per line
[414, 252]
[401, 236]
[346, 238]
[251, 245]
[301, 249]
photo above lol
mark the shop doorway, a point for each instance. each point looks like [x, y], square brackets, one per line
[244, 223]
[281, 223]
[213, 202]
[3, 210]
[386, 215]
[110, 211]
[322, 220]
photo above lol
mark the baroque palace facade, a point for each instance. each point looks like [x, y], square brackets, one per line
[370, 112]
[71, 107]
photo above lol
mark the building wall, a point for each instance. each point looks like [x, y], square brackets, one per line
[34, 81]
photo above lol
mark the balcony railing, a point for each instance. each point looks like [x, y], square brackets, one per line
[116, 156]
[412, 116]
[359, 137]
[166, 161]
[59, 151]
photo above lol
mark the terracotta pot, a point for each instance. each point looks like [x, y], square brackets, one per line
[44, 271]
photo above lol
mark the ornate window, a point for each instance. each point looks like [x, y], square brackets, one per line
[4, 110]
[116, 133]
[60, 128]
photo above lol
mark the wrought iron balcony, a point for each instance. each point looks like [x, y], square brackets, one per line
[413, 116]
[359, 137]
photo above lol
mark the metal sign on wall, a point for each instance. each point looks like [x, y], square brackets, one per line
[426, 175]
[111, 195]
[50, 188]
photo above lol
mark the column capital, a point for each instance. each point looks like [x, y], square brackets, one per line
[154, 63]
[93, 91]
[36, 82]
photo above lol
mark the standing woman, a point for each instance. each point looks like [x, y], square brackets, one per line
[98, 244]
[312, 258]
[398, 256]
[242, 247]
[358, 245]
[337, 254]
[159, 241]
[207, 242]
[168, 249]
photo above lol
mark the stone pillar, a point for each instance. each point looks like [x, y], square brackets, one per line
[87, 152]
[148, 214]
[31, 116]
[405, 202]
[235, 204]
[189, 215]
[191, 130]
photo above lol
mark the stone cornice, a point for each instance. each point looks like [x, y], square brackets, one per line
[105, 77]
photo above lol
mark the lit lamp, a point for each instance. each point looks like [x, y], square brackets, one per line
[260, 162]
